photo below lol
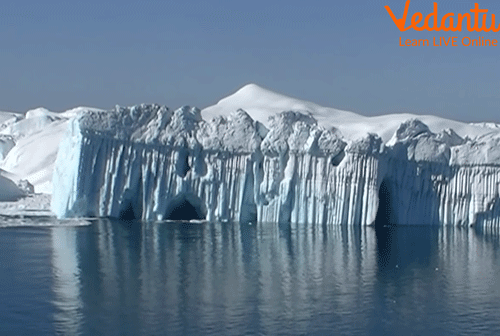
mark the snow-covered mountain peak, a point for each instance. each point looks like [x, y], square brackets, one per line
[257, 95]
[262, 104]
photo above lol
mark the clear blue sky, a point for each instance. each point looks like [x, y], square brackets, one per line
[343, 54]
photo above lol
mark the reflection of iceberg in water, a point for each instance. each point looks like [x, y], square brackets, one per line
[187, 278]
[215, 276]
[66, 284]
[305, 266]
[468, 255]
[106, 259]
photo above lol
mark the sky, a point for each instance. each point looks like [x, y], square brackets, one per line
[342, 54]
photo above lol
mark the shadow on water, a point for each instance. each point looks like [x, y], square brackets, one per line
[286, 236]
[248, 237]
[385, 228]
[399, 246]
[131, 230]
[385, 214]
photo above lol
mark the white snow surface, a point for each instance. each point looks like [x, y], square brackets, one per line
[4, 116]
[29, 144]
[261, 104]
[269, 158]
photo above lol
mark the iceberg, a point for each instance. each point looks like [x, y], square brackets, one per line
[29, 143]
[274, 159]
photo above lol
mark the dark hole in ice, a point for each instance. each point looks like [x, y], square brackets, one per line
[128, 213]
[385, 214]
[183, 210]
[337, 159]
[184, 168]
[384, 225]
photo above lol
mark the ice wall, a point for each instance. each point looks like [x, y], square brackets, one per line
[442, 178]
[147, 160]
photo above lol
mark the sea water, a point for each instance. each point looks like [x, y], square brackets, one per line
[106, 277]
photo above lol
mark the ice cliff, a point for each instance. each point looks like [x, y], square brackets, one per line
[147, 161]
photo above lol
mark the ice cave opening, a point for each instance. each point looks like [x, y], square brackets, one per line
[185, 208]
[385, 211]
[127, 214]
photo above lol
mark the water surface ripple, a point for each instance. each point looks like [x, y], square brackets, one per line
[132, 278]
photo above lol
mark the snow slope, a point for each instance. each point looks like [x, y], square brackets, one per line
[261, 104]
[29, 144]
[5, 116]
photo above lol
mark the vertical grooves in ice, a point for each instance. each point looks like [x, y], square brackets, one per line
[297, 173]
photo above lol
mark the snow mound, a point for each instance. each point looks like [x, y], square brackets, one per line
[38, 112]
[29, 144]
[34, 121]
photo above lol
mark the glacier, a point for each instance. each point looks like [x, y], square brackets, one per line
[147, 161]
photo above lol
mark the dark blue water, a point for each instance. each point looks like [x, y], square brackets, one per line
[117, 278]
